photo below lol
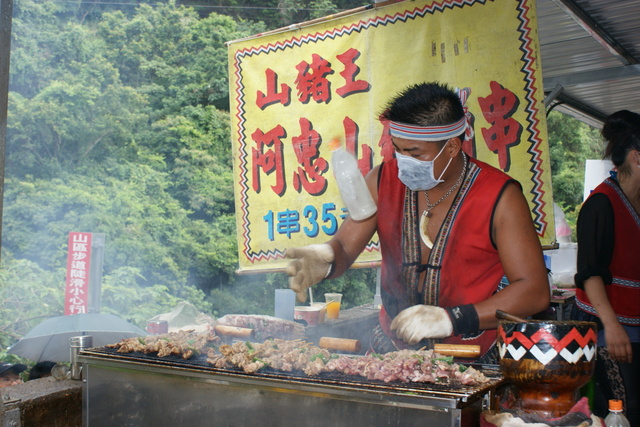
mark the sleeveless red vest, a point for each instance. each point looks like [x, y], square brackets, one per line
[470, 269]
[624, 290]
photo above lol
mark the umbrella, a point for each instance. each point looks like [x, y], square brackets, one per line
[50, 339]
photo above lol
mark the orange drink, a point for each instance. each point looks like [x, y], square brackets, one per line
[333, 310]
[333, 305]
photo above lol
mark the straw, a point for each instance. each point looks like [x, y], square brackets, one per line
[310, 296]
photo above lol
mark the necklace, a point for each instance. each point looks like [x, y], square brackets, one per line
[426, 214]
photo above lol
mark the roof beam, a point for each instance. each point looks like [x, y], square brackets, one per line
[596, 31]
[578, 110]
[589, 77]
[557, 90]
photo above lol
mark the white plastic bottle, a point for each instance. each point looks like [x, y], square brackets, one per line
[616, 418]
[353, 188]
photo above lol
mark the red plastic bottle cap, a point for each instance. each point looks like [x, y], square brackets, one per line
[615, 405]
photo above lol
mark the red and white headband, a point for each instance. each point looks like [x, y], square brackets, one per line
[435, 133]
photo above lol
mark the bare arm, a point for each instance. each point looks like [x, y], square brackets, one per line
[617, 339]
[521, 257]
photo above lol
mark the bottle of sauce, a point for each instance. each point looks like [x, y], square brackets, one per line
[353, 188]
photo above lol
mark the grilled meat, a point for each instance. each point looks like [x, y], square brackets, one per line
[424, 366]
[404, 366]
[264, 327]
[278, 354]
[184, 344]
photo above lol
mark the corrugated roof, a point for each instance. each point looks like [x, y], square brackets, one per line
[590, 56]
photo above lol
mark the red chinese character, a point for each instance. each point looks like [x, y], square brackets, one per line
[269, 160]
[365, 162]
[312, 166]
[312, 82]
[386, 144]
[351, 70]
[505, 131]
[273, 96]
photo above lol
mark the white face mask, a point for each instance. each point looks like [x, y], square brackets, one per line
[418, 174]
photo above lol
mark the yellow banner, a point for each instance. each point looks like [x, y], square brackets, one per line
[293, 91]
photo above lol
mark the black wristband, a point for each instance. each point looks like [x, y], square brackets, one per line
[464, 319]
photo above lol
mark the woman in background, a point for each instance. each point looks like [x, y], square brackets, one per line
[608, 268]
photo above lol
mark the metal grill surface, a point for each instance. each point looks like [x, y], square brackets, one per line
[446, 390]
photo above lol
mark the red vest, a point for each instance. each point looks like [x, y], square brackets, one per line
[469, 267]
[624, 291]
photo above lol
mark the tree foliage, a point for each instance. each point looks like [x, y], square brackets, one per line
[571, 142]
[117, 125]
[277, 13]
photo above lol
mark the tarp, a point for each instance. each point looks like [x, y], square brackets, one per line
[294, 90]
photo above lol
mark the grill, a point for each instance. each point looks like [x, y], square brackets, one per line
[140, 389]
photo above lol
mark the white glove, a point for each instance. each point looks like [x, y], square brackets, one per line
[416, 323]
[310, 265]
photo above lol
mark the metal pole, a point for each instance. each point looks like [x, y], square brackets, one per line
[95, 272]
[377, 298]
[6, 10]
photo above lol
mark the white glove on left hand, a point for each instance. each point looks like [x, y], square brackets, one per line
[416, 323]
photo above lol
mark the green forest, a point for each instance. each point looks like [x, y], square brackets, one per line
[118, 123]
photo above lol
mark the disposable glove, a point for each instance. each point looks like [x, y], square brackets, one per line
[310, 265]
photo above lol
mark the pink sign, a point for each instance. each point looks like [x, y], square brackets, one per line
[76, 299]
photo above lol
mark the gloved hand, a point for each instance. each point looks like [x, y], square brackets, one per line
[310, 265]
[416, 323]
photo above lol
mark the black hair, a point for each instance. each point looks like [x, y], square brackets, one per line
[8, 368]
[425, 104]
[621, 130]
[41, 370]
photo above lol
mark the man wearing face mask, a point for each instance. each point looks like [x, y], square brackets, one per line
[450, 228]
